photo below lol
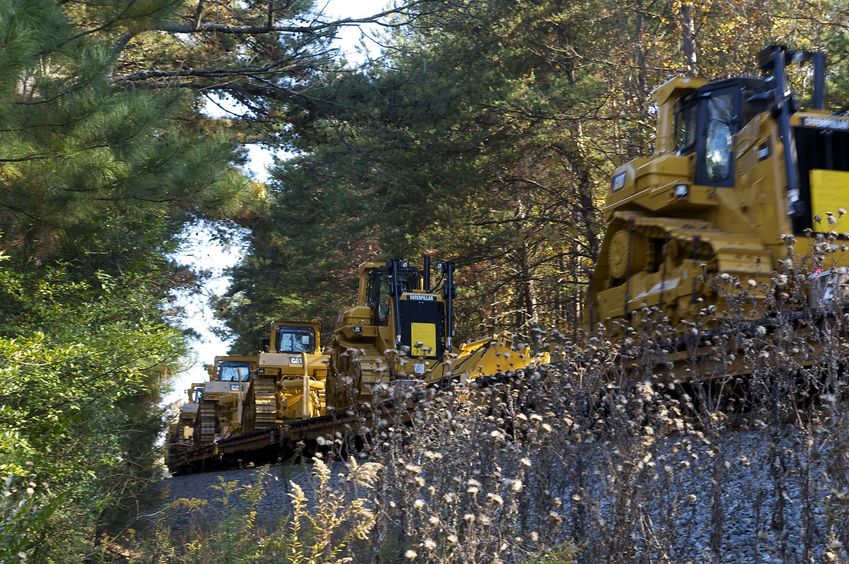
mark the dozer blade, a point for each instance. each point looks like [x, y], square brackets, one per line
[486, 357]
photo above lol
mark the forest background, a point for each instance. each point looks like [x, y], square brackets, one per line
[484, 133]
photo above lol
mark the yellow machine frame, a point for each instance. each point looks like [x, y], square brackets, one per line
[669, 234]
[287, 385]
[220, 410]
[370, 345]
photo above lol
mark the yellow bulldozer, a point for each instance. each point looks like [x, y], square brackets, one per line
[402, 328]
[219, 412]
[741, 178]
[289, 379]
[181, 429]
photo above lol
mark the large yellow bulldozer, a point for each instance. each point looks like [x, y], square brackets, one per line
[737, 167]
[290, 377]
[402, 328]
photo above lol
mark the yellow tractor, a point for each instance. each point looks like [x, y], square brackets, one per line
[181, 429]
[290, 376]
[401, 328]
[737, 168]
[220, 406]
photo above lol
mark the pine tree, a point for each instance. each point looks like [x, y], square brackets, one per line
[96, 182]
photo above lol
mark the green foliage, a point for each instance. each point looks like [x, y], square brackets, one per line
[90, 172]
[560, 554]
[96, 182]
[82, 366]
[23, 516]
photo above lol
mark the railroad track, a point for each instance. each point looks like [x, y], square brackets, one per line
[283, 440]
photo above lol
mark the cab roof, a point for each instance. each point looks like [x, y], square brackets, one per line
[681, 86]
[675, 88]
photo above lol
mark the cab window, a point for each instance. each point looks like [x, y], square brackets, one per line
[198, 394]
[408, 279]
[233, 371]
[294, 340]
[718, 141]
[718, 121]
[378, 295]
[685, 127]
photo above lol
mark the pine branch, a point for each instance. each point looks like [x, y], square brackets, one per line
[197, 73]
[197, 26]
[270, 27]
[25, 158]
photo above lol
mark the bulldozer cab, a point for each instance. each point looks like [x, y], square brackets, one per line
[706, 122]
[380, 289]
[408, 313]
[195, 393]
[233, 370]
[295, 337]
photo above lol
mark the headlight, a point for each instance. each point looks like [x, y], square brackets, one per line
[681, 191]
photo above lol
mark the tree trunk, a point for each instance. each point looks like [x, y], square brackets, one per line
[527, 292]
[688, 38]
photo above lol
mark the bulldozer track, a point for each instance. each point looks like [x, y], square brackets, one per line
[265, 400]
[206, 422]
[260, 407]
